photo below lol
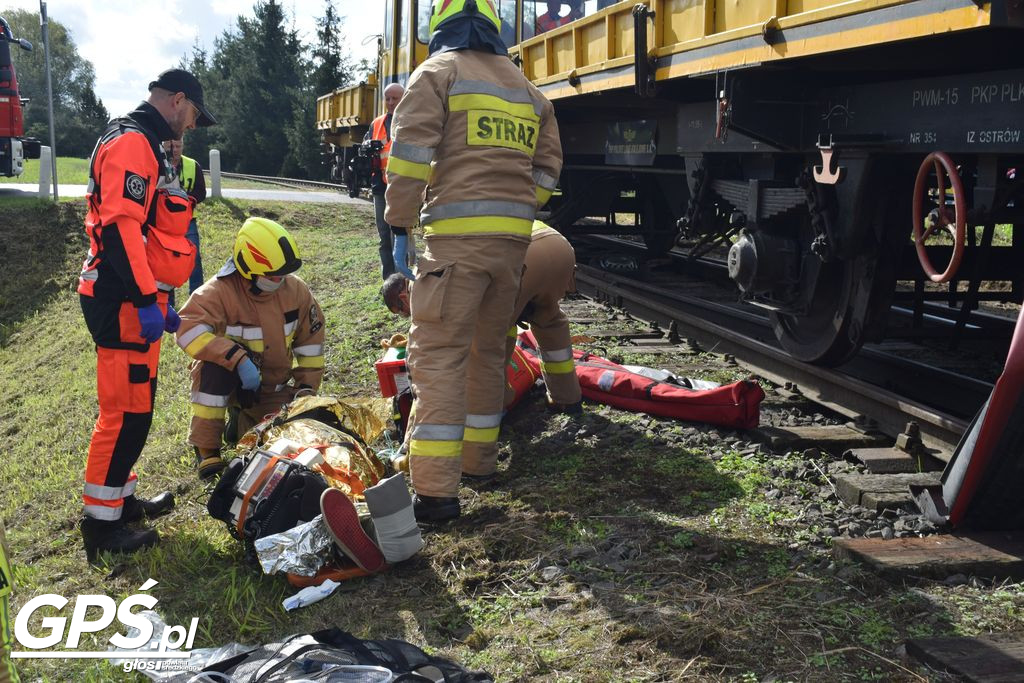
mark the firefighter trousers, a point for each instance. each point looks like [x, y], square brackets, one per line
[126, 387]
[214, 390]
[462, 305]
[7, 672]
[550, 328]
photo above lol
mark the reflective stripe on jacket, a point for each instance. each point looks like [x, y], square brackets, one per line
[481, 142]
[282, 331]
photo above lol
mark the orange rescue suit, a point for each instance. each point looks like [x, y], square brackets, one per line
[115, 282]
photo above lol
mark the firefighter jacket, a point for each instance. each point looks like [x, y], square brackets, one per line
[475, 145]
[124, 171]
[282, 331]
[380, 129]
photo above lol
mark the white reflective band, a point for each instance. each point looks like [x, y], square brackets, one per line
[89, 275]
[104, 492]
[164, 287]
[413, 153]
[483, 421]
[103, 512]
[129, 488]
[518, 95]
[544, 180]
[246, 333]
[309, 350]
[480, 207]
[210, 400]
[186, 338]
[423, 432]
[290, 327]
[557, 355]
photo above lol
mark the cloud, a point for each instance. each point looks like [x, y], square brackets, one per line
[130, 43]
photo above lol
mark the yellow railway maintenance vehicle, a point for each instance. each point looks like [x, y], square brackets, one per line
[834, 148]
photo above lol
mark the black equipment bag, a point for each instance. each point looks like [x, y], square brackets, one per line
[316, 656]
[291, 496]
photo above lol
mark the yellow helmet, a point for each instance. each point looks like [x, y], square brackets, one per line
[450, 9]
[263, 247]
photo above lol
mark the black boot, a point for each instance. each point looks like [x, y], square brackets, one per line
[434, 509]
[209, 463]
[113, 536]
[134, 508]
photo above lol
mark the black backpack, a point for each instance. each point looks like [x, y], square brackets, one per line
[324, 656]
[295, 499]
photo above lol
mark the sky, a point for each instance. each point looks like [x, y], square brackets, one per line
[129, 43]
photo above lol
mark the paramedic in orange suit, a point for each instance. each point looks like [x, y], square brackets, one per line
[124, 301]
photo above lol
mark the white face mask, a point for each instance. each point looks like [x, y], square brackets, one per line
[267, 285]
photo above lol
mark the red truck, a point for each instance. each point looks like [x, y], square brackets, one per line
[14, 146]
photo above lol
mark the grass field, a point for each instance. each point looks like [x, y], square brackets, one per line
[605, 550]
[76, 172]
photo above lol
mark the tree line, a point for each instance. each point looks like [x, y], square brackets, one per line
[259, 79]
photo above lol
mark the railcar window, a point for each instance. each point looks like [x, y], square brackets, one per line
[423, 21]
[529, 19]
[403, 23]
[389, 13]
[507, 14]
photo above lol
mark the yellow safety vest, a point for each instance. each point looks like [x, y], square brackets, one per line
[188, 173]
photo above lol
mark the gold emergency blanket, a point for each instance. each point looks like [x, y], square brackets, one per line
[349, 464]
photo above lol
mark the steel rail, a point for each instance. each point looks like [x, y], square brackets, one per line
[846, 395]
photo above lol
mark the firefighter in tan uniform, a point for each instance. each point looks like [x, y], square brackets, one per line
[548, 276]
[475, 151]
[256, 334]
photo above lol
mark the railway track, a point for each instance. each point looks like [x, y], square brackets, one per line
[287, 182]
[878, 388]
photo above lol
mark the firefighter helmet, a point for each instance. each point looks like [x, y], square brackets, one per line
[263, 247]
[445, 10]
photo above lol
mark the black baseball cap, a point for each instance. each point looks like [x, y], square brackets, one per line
[179, 80]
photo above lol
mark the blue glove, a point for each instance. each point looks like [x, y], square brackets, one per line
[173, 321]
[152, 322]
[249, 374]
[398, 253]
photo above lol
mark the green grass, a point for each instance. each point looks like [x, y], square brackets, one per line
[672, 563]
[69, 172]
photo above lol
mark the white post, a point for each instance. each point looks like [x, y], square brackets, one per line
[44, 172]
[215, 172]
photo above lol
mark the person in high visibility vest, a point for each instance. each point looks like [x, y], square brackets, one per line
[380, 129]
[553, 18]
[476, 151]
[189, 176]
[7, 672]
[138, 253]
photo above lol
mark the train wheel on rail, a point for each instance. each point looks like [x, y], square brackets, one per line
[829, 334]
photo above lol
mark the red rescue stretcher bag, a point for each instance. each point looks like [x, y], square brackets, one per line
[171, 256]
[736, 405]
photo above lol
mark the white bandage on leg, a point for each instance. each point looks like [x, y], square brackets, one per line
[394, 523]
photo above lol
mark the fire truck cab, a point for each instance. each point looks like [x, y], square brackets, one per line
[14, 147]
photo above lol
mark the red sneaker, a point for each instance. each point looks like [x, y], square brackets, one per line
[342, 521]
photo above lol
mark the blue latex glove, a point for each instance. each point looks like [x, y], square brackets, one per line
[152, 322]
[173, 321]
[249, 374]
[398, 253]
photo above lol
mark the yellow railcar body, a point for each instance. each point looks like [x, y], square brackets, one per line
[693, 37]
